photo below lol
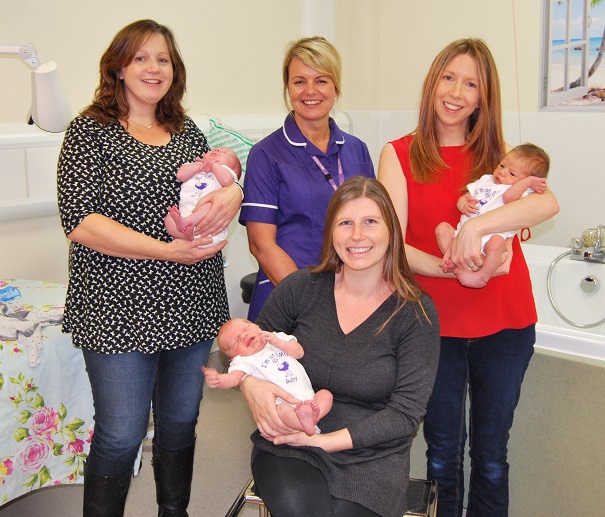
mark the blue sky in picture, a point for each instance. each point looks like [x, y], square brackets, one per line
[597, 14]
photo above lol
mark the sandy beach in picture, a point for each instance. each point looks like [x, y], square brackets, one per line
[595, 82]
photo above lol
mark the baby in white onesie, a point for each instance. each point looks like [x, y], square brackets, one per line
[217, 168]
[270, 356]
[522, 171]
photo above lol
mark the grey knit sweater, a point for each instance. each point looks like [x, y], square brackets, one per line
[381, 385]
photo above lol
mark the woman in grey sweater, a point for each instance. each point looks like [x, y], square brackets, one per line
[371, 337]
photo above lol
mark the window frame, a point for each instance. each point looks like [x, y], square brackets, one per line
[551, 100]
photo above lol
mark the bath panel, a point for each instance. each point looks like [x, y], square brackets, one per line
[578, 292]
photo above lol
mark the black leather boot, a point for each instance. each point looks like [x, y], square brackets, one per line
[173, 471]
[105, 496]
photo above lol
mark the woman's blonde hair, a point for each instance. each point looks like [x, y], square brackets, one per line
[396, 271]
[484, 138]
[316, 52]
[110, 104]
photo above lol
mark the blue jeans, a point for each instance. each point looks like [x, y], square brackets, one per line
[126, 386]
[492, 368]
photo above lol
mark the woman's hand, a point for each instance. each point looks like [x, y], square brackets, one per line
[298, 439]
[474, 279]
[330, 442]
[224, 205]
[187, 252]
[523, 213]
[466, 248]
[107, 236]
[471, 262]
[261, 398]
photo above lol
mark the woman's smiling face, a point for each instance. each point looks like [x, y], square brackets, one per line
[457, 94]
[149, 75]
[312, 93]
[360, 235]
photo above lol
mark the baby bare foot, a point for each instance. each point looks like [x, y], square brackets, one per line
[307, 415]
[182, 224]
[469, 279]
[178, 219]
[315, 407]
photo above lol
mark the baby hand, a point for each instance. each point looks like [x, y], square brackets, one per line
[538, 185]
[270, 338]
[471, 206]
[205, 164]
[212, 376]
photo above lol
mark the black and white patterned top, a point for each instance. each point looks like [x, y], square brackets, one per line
[117, 305]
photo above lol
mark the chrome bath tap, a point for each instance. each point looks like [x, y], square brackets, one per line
[584, 249]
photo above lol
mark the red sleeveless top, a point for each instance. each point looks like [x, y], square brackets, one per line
[507, 301]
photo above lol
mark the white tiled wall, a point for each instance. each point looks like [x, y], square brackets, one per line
[41, 170]
[13, 183]
[28, 159]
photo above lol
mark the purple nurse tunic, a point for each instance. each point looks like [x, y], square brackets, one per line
[284, 186]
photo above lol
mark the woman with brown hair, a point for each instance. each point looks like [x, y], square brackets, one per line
[144, 308]
[487, 335]
[371, 337]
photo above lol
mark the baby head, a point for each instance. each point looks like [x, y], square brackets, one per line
[520, 162]
[239, 336]
[225, 156]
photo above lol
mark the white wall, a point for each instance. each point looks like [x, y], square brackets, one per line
[388, 46]
[233, 48]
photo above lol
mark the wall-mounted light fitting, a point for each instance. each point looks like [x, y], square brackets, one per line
[50, 108]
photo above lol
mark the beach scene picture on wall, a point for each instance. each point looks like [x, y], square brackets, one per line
[572, 20]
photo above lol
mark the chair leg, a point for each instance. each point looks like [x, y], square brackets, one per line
[251, 496]
[238, 504]
[248, 495]
[434, 494]
[422, 498]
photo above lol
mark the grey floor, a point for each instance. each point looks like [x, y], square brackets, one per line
[222, 467]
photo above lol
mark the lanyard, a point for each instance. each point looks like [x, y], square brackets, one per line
[328, 176]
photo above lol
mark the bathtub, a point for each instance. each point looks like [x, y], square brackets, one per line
[575, 304]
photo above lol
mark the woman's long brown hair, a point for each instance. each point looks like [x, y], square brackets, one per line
[484, 138]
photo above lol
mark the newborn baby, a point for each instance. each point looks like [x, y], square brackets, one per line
[216, 169]
[270, 356]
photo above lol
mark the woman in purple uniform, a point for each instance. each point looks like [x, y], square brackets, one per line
[292, 173]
